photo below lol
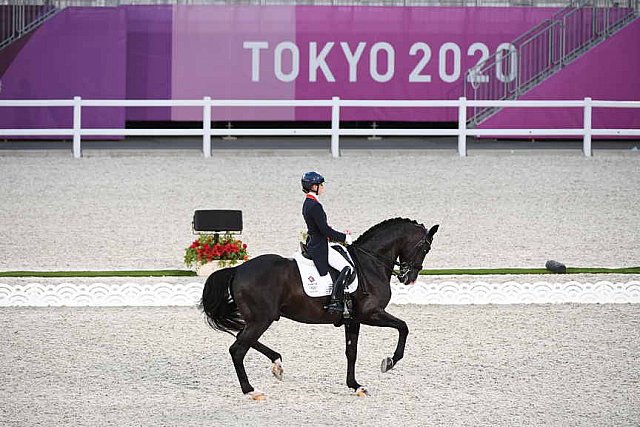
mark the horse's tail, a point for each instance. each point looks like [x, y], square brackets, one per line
[217, 303]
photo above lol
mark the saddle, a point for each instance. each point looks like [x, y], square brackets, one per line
[310, 276]
[332, 271]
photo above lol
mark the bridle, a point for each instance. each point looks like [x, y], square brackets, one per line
[404, 267]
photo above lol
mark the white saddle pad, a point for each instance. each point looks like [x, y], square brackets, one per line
[310, 278]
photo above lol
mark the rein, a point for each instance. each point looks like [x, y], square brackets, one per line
[404, 266]
[381, 260]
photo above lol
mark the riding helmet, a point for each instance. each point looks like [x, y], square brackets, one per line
[310, 179]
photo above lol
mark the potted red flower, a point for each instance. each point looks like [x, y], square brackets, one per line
[209, 252]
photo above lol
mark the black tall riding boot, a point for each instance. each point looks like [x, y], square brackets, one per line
[337, 295]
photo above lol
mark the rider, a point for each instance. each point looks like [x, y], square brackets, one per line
[320, 233]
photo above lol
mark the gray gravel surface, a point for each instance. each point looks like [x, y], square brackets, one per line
[470, 365]
[553, 365]
[495, 209]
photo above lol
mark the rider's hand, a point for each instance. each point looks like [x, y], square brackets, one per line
[348, 240]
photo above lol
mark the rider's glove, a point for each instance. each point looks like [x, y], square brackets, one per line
[348, 240]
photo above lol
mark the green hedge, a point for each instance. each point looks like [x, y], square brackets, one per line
[132, 273]
[442, 272]
[570, 270]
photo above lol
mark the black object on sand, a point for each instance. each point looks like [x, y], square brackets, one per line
[556, 267]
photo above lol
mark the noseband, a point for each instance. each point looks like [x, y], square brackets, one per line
[424, 246]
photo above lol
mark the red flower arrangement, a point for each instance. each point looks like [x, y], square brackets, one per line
[226, 249]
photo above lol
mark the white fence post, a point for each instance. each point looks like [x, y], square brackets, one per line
[462, 127]
[77, 125]
[586, 142]
[335, 126]
[206, 127]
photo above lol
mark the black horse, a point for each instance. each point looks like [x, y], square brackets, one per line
[248, 298]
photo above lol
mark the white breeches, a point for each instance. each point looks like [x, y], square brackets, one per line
[336, 261]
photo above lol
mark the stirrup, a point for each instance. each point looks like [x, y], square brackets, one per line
[338, 307]
[346, 313]
[335, 306]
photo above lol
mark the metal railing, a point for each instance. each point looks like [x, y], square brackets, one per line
[18, 17]
[543, 50]
[336, 105]
[451, 3]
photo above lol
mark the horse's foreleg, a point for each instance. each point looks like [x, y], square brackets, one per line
[383, 319]
[352, 332]
[246, 339]
[274, 356]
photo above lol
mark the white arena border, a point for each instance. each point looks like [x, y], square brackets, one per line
[160, 293]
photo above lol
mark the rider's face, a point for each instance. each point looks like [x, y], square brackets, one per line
[320, 189]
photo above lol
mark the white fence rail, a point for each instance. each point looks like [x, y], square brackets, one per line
[336, 104]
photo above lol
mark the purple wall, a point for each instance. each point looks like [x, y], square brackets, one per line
[79, 52]
[287, 52]
[607, 72]
[149, 38]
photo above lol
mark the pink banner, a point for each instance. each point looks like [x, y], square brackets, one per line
[294, 53]
[219, 51]
[316, 52]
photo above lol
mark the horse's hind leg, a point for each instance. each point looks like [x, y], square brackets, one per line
[274, 356]
[246, 339]
[271, 354]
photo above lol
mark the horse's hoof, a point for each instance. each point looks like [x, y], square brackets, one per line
[256, 395]
[362, 392]
[386, 364]
[277, 370]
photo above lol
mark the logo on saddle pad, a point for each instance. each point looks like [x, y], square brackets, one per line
[309, 275]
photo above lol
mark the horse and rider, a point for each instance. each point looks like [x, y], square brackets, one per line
[245, 300]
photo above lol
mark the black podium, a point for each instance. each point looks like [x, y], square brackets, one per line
[217, 221]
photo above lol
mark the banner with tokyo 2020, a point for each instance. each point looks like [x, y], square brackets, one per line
[316, 52]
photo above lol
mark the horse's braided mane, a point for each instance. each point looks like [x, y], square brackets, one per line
[371, 231]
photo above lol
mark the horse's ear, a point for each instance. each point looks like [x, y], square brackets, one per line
[433, 230]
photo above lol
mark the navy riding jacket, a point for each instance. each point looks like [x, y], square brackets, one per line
[319, 233]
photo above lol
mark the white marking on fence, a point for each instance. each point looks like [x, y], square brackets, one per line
[84, 293]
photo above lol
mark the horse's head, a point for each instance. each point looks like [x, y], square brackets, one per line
[417, 246]
[397, 239]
